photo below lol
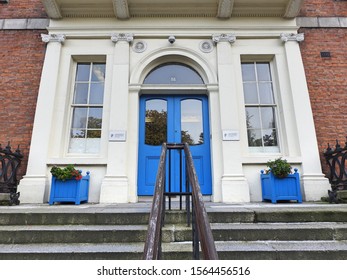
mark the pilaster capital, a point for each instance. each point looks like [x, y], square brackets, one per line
[285, 37]
[122, 37]
[58, 38]
[229, 38]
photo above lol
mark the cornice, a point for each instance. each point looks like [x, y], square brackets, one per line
[121, 9]
[293, 8]
[126, 9]
[52, 9]
[225, 8]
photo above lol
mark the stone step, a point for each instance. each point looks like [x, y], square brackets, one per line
[263, 231]
[227, 250]
[171, 233]
[78, 216]
[279, 231]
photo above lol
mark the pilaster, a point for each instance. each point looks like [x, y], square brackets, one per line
[314, 183]
[216, 140]
[34, 186]
[114, 188]
[234, 184]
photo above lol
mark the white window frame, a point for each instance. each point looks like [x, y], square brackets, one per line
[264, 149]
[80, 60]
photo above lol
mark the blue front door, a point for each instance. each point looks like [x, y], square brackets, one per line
[173, 119]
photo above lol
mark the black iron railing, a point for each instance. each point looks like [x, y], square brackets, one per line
[201, 230]
[336, 161]
[9, 164]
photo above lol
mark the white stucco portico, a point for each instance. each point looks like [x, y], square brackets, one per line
[130, 38]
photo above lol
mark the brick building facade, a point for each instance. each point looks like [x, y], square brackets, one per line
[324, 24]
[21, 58]
[22, 55]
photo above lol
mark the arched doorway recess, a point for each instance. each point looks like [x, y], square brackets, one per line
[173, 109]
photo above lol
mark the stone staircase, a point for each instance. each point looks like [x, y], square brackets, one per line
[261, 231]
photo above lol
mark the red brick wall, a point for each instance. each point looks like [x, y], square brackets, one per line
[327, 82]
[326, 77]
[323, 8]
[21, 60]
[22, 9]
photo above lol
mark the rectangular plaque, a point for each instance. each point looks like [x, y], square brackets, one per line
[117, 136]
[231, 135]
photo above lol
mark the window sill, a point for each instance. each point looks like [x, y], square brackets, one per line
[90, 160]
[264, 158]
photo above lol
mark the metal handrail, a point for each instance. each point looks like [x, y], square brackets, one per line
[152, 250]
[200, 225]
[207, 244]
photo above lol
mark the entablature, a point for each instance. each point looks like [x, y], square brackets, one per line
[126, 9]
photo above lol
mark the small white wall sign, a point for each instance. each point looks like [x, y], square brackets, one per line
[231, 135]
[117, 136]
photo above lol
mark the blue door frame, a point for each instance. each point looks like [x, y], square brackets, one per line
[174, 119]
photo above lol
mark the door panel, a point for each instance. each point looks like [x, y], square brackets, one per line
[173, 119]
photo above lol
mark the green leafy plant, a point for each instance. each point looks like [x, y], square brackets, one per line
[279, 167]
[66, 173]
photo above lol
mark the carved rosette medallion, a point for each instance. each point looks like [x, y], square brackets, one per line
[140, 46]
[206, 46]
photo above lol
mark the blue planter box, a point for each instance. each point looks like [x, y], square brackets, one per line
[275, 189]
[70, 190]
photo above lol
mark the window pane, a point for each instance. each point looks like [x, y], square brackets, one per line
[248, 72]
[78, 133]
[81, 93]
[252, 117]
[92, 145]
[94, 134]
[173, 74]
[250, 93]
[83, 71]
[254, 138]
[265, 93]
[95, 118]
[96, 93]
[268, 117]
[79, 119]
[77, 145]
[270, 137]
[263, 72]
[156, 122]
[191, 122]
[98, 73]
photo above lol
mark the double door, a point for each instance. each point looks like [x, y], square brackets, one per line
[173, 119]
